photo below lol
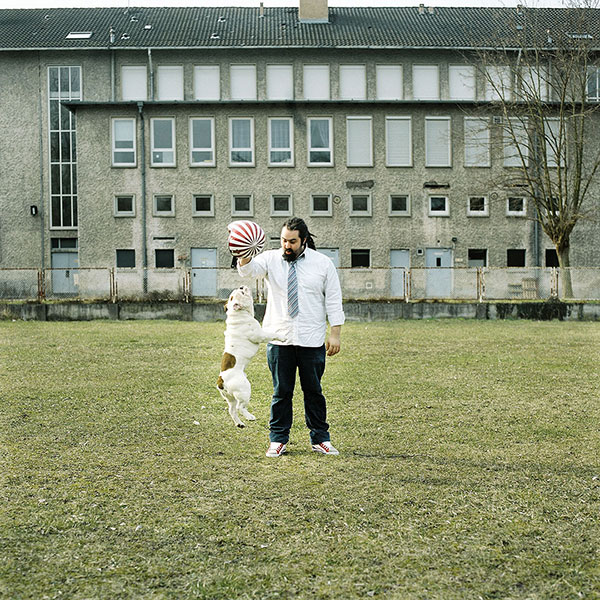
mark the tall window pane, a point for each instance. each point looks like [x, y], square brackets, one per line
[437, 142]
[280, 142]
[389, 82]
[202, 151]
[163, 142]
[516, 143]
[280, 82]
[477, 142]
[461, 82]
[123, 143]
[241, 142]
[320, 150]
[353, 82]
[426, 85]
[316, 82]
[170, 83]
[243, 82]
[207, 82]
[359, 142]
[134, 85]
[398, 141]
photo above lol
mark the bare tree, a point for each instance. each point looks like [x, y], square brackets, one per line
[545, 85]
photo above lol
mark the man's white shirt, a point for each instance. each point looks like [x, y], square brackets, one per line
[319, 295]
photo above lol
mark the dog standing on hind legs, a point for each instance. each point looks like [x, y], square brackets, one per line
[243, 335]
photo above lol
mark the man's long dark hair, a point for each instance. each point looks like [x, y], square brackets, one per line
[298, 224]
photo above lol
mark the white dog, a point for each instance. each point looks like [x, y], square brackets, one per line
[243, 334]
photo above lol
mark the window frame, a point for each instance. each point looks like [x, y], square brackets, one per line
[478, 213]
[321, 213]
[162, 95]
[306, 70]
[507, 144]
[172, 149]
[425, 68]
[133, 149]
[281, 213]
[156, 212]
[134, 69]
[211, 149]
[389, 119]
[348, 74]
[278, 71]
[514, 213]
[361, 213]
[432, 213]
[242, 213]
[459, 69]
[310, 148]
[156, 250]
[120, 214]
[239, 68]
[397, 213]
[290, 149]
[211, 68]
[380, 71]
[438, 119]
[596, 74]
[359, 118]
[117, 250]
[209, 213]
[367, 250]
[474, 141]
[250, 149]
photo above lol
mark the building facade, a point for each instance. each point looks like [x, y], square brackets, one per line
[134, 136]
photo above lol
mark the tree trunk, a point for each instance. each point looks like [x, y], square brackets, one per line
[565, 272]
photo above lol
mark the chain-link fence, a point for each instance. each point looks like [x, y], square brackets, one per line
[187, 285]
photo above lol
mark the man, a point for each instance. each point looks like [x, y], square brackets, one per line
[303, 294]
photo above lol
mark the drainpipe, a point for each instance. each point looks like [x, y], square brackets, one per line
[151, 67]
[113, 84]
[42, 211]
[143, 173]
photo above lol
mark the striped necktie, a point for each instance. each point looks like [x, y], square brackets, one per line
[292, 293]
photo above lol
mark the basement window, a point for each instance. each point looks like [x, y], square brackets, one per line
[79, 35]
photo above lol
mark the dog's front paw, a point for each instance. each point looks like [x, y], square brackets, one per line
[240, 425]
[248, 415]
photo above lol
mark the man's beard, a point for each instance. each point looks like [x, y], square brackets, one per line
[291, 256]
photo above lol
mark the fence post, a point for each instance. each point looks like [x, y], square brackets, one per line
[187, 286]
[554, 283]
[480, 284]
[41, 284]
[112, 285]
[407, 284]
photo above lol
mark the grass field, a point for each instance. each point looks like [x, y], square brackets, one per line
[469, 466]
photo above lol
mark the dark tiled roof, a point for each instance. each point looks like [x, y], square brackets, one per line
[214, 27]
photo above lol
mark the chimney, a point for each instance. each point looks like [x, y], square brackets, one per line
[313, 11]
[430, 10]
[261, 10]
[421, 9]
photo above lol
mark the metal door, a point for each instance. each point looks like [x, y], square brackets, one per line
[204, 272]
[64, 273]
[439, 273]
[400, 263]
[333, 254]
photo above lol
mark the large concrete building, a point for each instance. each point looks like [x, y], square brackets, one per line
[133, 136]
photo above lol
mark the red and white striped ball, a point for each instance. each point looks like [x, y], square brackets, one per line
[246, 239]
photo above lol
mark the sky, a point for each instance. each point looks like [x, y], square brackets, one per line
[268, 3]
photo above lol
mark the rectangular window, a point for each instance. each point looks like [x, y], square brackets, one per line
[477, 142]
[281, 142]
[476, 257]
[320, 143]
[123, 143]
[515, 206]
[169, 83]
[461, 82]
[359, 138]
[204, 205]
[498, 83]
[477, 206]
[533, 84]
[360, 205]
[164, 206]
[202, 142]
[242, 206]
[426, 83]
[353, 82]
[437, 142]
[241, 142]
[316, 82]
[551, 257]
[163, 142]
[399, 205]
[243, 82]
[593, 84]
[280, 82]
[516, 143]
[164, 258]
[515, 258]
[360, 259]
[124, 206]
[398, 141]
[389, 82]
[207, 82]
[555, 142]
[64, 83]
[281, 205]
[320, 205]
[126, 259]
[438, 206]
[134, 83]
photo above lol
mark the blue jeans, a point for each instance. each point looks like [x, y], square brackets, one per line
[310, 363]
